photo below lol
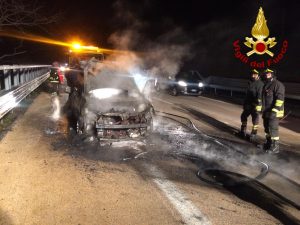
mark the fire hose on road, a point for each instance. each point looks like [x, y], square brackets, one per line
[225, 178]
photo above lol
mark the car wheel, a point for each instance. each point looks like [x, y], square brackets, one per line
[174, 91]
[149, 117]
[79, 126]
[157, 88]
[149, 131]
[78, 130]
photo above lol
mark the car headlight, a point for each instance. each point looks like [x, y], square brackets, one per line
[141, 107]
[201, 84]
[182, 83]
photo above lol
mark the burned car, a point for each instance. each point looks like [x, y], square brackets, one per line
[111, 106]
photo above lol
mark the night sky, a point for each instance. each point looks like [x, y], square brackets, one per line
[207, 28]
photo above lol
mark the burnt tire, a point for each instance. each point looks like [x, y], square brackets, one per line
[78, 128]
[150, 121]
[199, 94]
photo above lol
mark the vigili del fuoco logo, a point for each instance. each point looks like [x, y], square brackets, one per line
[260, 44]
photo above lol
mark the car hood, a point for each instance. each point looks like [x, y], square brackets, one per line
[118, 104]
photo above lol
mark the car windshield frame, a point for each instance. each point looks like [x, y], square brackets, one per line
[110, 79]
[188, 76]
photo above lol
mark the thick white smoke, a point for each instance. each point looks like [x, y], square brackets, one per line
[159, 59]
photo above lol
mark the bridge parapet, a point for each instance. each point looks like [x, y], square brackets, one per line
[18, 81]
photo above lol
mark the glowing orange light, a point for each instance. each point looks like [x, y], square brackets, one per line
[74, 46]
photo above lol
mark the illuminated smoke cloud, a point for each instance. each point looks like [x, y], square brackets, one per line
[159, 57]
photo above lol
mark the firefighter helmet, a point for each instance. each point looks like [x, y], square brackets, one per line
[254, 71]
[268, 70]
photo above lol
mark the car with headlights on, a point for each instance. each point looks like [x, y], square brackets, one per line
[186, 83]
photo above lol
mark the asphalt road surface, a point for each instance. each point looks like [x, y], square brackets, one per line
[179, 176]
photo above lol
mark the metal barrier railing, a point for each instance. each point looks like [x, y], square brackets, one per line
[240, 85]
[17, 82]
[14, 76]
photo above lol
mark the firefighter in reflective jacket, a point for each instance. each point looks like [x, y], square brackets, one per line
[273, 109]
[54, 78]
[252, 104]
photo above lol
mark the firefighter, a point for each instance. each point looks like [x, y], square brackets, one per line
[75, 77]
[75, 80]
[54, 78]
[272, 109]
[252, 104]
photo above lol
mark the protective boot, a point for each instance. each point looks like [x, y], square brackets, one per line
[253, 136]
[243, 133]
[267, 144]
[274, 148]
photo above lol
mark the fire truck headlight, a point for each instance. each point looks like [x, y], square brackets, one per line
[201, 84]
[76, 46]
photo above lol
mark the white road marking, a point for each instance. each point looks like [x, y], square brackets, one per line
[215, 100]
[220, 101]
[190, 214]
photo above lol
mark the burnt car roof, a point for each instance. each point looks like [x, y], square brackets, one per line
[105, 75]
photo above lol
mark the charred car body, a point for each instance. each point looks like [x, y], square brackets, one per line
[110, 105]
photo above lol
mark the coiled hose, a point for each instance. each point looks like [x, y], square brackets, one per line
[263, 172]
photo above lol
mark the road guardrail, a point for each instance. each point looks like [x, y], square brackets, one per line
[240, 85]
[16, 82]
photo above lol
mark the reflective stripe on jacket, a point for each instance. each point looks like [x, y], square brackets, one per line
[54, 77]
[273, 98]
